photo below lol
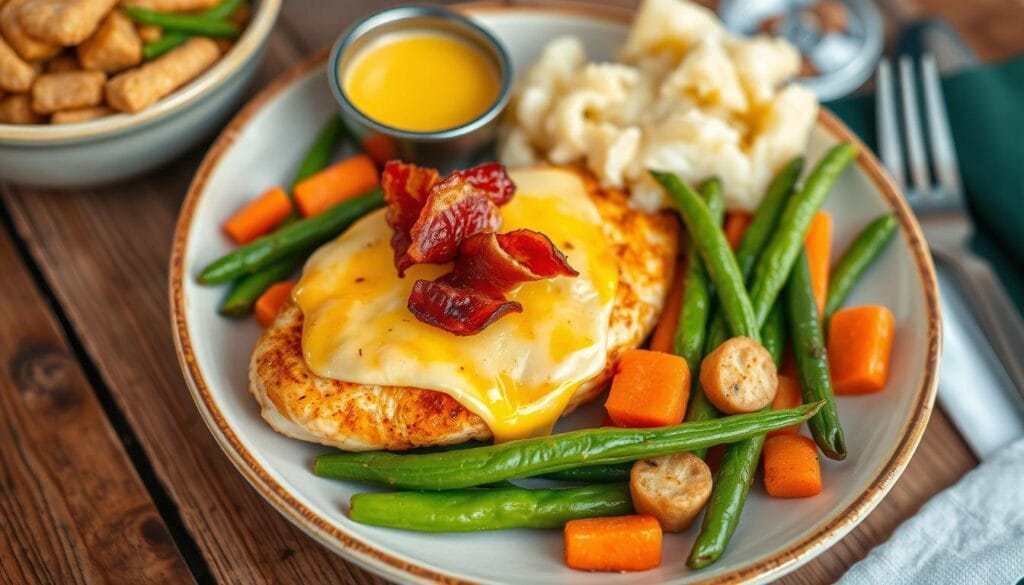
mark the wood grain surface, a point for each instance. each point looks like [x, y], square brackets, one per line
[72, 505]
[72, 508]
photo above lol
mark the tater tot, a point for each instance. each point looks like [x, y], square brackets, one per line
[17, 109]
[69, 90]
[29, 47]
[149, 33]
[63, 62]
[173, 5]
[80, 115]
[65, 22]
[15, 74]
[133, 90]
[114, 46]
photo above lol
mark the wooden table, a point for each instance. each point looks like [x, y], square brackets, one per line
[107, 472]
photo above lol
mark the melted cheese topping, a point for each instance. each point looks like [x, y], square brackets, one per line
[518, 374]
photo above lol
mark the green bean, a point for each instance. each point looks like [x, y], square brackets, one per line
[754, 238]
[320, 152]
[856, 259]
[240, 300]
[185, 23]
[776, 261]
[728, 496]
[495, 509]
[173, 39]
[537, 456]
[696, 304]
[716, 254]
[609, 473]
[812, 361]
[165, 44]
[301, 235]
[223, 10]
[693, 314]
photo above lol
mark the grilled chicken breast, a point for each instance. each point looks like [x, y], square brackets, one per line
[357, 417]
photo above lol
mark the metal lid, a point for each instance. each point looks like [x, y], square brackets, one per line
[840, 40]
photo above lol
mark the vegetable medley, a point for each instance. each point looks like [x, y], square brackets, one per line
[65, 63]
[753, 342]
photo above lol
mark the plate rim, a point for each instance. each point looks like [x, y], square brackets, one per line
[382, 562]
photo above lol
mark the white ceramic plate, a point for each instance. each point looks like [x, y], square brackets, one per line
[263, 146]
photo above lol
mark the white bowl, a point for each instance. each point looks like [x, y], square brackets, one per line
[774, 537]
[123, 145]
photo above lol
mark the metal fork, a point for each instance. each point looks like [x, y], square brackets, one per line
[939, 204]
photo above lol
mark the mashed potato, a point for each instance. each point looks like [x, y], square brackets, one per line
[687, 97]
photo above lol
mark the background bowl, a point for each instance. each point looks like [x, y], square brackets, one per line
[123, 145]
[775, 535]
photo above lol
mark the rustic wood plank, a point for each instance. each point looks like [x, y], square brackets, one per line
[112, 245]
[72, 508]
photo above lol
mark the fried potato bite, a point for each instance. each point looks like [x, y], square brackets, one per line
[16, 75]
[28, 47]
[80, 115]
[17, 109]
[134, 90]
[68, 90]
[114, 46]
[65, 22]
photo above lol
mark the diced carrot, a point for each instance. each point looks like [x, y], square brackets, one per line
[617, 543]
[791, 467]
[271, 301]
[859, 345]
[339, 182]
[787, 395]
[819, 256]
[665, 332]
[380, 147]
[736, 224]
[651, 389]
[259, 216]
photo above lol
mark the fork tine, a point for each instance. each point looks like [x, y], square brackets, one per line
[912, 127]
[888, 128]
[939, 136]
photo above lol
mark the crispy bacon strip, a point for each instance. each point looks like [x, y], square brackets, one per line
[462, 311]
[406, 188]
[492, 179]
[494, 263]
[455, 210]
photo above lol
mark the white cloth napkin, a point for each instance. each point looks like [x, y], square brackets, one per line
[972, 532]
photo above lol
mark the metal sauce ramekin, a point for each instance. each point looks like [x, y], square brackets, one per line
[447, 149]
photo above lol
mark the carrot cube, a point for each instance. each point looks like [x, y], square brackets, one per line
[859, 346]
[618, 543]
[665, 331]
[787, 395]
[259, 217]
[791, 467]
[819, 256]
[651, 389]
[270, 302]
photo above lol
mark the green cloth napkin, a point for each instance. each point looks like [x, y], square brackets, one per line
[986, 110]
